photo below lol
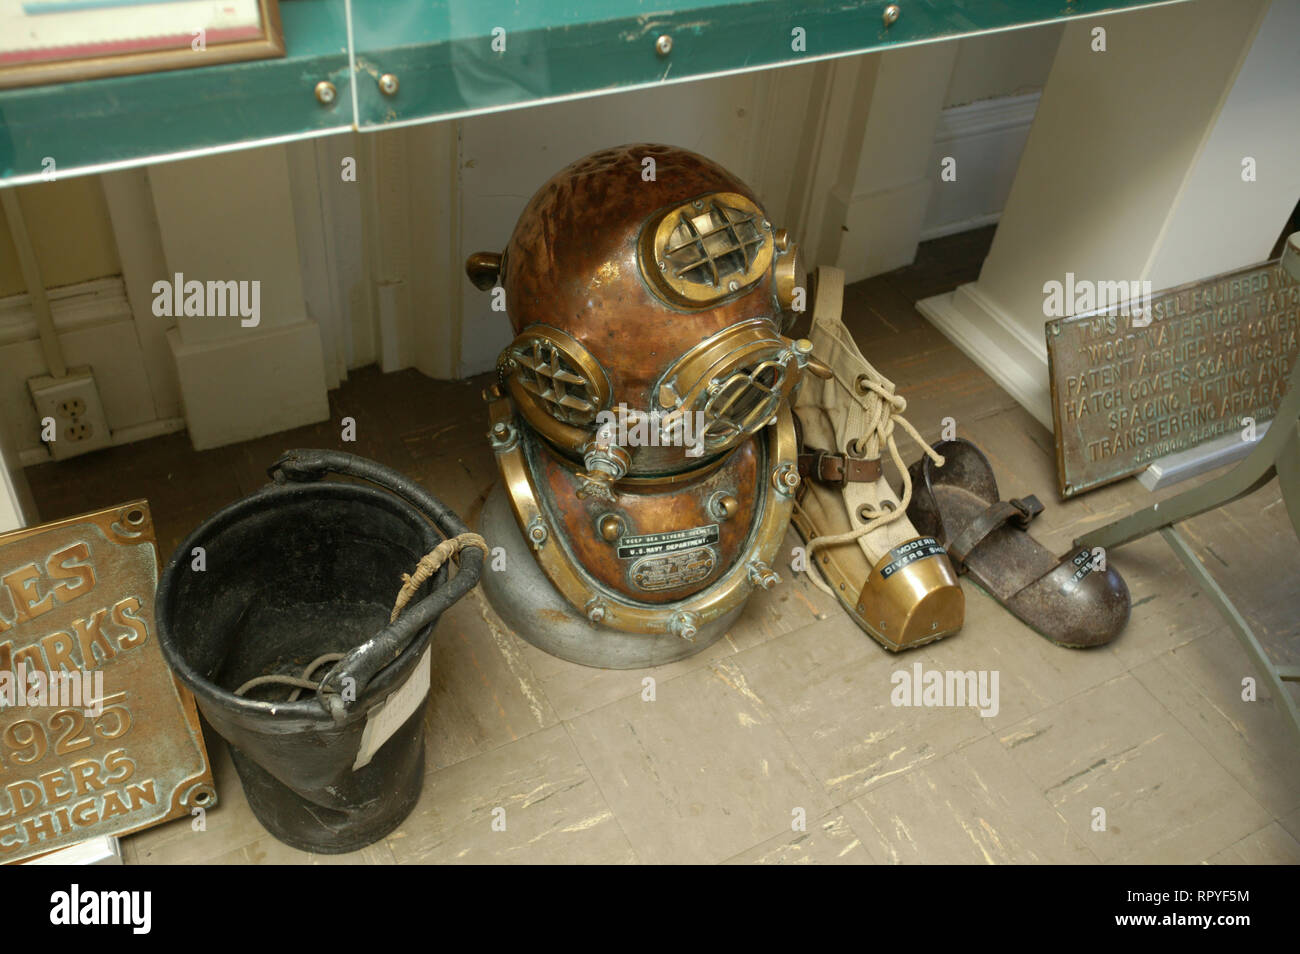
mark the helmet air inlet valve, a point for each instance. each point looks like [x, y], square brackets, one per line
[723, 505]
[606, 463]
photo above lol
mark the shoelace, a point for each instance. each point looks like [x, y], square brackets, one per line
[883, 414]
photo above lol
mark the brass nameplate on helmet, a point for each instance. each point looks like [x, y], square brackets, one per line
[668, 572]
[1199, 361]
[649, 544]
[96, 737]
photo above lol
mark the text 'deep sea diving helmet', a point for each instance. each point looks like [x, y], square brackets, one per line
[642, 420]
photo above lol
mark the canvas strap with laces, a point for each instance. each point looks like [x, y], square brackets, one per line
[863, 411]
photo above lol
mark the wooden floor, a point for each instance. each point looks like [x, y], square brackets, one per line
[790, 714]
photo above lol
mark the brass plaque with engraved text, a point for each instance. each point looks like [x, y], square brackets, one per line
[96, 736]
[1211, 354]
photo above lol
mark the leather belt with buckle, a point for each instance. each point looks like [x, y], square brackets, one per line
[837, 469]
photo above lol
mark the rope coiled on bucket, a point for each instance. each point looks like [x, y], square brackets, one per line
[430, 563]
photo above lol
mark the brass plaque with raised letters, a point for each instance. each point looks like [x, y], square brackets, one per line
[96, 736]
[1210, 355]
[671, 570]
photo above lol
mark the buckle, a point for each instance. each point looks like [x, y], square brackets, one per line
[836, 470]
[836, 462]
[1028, 506]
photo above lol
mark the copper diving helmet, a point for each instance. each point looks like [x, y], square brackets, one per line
[642, 419]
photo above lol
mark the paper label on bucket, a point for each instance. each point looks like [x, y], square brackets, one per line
[382, 722]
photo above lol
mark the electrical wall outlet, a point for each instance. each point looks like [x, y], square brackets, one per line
[70, 414]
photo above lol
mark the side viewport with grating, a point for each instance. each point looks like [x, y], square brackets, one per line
[562, 377]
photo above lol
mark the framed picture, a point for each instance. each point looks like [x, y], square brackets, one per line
[59, 41]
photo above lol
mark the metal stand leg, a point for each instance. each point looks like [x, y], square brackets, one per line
[1278, 452]
[1288, 471]
[1275, 676]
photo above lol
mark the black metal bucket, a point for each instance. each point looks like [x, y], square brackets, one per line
[296, 570]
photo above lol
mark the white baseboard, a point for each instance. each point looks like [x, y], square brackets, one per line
[965, 225]
[123, 435]
[251, 384]
[990, 338]
[986, 139]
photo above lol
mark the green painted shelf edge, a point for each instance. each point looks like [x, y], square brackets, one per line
[442, 54]
[127, 120]
[447, 70]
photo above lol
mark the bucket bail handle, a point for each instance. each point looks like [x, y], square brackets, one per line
[354, 671]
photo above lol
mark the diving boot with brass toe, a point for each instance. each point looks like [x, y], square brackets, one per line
[896, 583]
